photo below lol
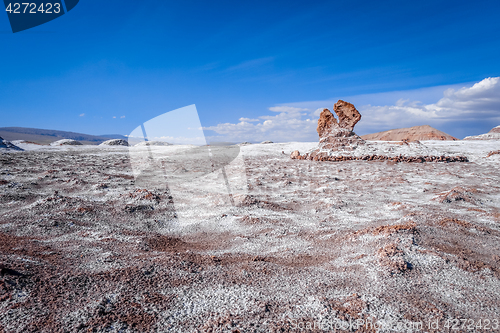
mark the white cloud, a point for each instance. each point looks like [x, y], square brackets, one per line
[248, 120]
[288, 125]
[114, 117]
[479, 102]
[122, 117]
[82, 114]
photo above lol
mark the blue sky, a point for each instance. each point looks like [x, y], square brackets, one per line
[108, 66]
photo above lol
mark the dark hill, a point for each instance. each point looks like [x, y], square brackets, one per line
[44, 136]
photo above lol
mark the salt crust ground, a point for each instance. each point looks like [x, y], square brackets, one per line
[83, 249]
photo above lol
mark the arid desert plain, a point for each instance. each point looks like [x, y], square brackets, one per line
[272, 237]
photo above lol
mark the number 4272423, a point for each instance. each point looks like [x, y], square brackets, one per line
[32, 8]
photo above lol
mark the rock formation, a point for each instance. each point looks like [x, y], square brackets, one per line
[335, 135]
[410, 134]
[115, 142]
[66, 142]
[6, 145]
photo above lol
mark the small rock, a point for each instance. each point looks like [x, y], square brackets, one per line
[295, 154]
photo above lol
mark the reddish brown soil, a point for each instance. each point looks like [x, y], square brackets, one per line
[334, 241]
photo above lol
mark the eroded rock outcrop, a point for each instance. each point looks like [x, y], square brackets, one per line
[339, 135]
[335, 135]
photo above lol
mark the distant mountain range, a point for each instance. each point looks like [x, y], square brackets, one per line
[44, 136]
